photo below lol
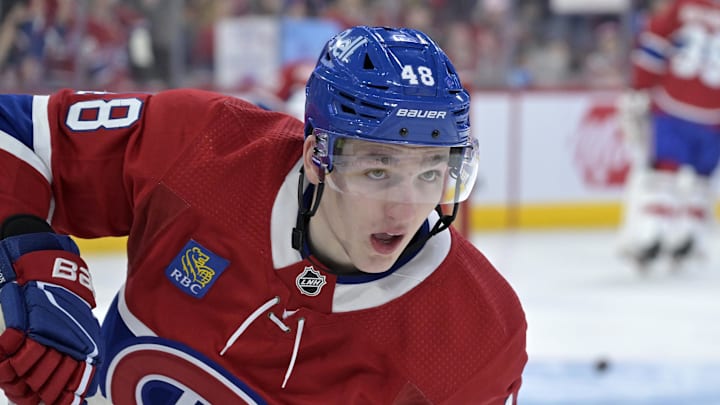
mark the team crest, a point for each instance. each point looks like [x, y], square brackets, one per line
[310, 281]
[343, 47]
[195, 269]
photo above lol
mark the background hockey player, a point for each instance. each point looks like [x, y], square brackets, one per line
[676, 81]
[269, 261]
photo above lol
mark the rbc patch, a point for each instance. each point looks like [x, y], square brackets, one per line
[195, 269]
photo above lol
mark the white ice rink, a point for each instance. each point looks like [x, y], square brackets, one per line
[659, 333]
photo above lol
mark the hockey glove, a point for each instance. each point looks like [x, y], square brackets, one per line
[49, 348]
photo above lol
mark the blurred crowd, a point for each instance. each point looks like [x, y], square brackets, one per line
[153, 44]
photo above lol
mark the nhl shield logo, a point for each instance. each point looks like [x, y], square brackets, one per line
[310, 281]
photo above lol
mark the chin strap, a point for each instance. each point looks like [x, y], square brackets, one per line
[444, 221]
[304, 214]
[441, 224]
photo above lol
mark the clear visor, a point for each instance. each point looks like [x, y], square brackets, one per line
[395, 172]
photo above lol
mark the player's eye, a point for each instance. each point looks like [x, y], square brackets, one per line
[430, 175]
[376, 174]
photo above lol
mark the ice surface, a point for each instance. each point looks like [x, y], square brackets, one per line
[658, 332]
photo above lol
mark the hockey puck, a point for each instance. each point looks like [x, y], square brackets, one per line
[601, 365]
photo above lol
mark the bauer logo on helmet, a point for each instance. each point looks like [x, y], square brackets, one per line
[413, 113]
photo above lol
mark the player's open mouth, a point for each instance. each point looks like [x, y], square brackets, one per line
[385, 243]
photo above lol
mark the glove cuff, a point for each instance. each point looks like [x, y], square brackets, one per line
[57, 267]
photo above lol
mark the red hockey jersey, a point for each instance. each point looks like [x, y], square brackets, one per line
[217, 306]
[678, 55]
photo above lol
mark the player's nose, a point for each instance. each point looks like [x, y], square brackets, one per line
[398, 211]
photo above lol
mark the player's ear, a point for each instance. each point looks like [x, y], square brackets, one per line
[311, 169]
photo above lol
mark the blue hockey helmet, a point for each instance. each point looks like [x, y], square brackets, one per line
[392, 86]
[388, 85]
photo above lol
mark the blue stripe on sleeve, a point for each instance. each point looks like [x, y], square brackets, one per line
[16, 117]
[653, 53]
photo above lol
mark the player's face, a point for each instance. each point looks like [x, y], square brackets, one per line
[367, 232]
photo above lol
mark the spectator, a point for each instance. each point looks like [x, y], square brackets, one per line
[22, 43]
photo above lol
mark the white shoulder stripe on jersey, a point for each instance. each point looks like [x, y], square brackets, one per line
[41, 139]
[41, 129]
[648, 63]
[284, 214]
[11, 145]
[136, 326]
[655, 42]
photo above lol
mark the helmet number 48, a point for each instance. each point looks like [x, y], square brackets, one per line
[424, 72]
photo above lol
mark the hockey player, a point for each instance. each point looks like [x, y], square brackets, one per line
[268, 261]
[673, 116]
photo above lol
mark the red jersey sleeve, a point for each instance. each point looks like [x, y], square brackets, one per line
[85, 159]
[650, 57]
